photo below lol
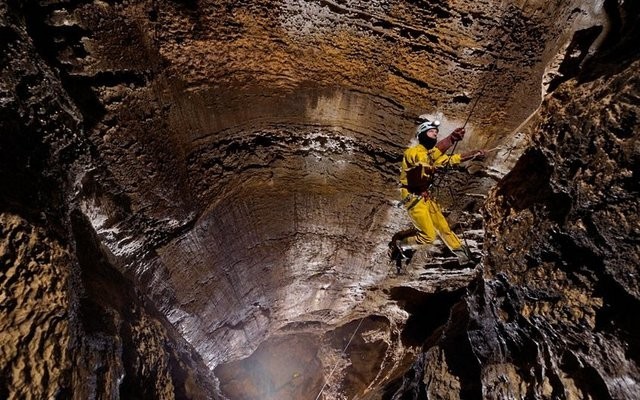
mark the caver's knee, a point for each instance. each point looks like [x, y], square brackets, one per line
[404, 234]
[424, 238]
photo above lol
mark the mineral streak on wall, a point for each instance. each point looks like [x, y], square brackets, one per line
[196, 199]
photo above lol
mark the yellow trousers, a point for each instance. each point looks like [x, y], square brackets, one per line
[428, 219]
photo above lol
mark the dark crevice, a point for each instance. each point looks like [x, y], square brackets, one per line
[460, 353]
[421, 84]
[409, 386]
[618, 316]
[49, 41]
[575, 54]
[8, 37]
[588, 380]
[29, 183]
[626, 125]
[191, 5]
[528, 186]
[44, 39]
[461, 99]
[575, 254]
[594, 385]
[87, 101]
[527, 183]
[110, 79]
[619, 49]
[461, 362]
[428, 312]
[440, 9]
[108, 297]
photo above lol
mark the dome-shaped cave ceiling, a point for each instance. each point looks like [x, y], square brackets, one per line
[242, 158]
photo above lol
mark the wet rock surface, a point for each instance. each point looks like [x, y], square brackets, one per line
[197, 199]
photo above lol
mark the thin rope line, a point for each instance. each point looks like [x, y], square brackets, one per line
[341, 354]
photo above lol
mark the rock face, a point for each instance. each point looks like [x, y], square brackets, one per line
[565, 257]
[197, 196]
[72, 326]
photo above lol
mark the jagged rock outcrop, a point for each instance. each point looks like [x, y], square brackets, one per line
[196, 199]
[71, 325]
[554, 314]
[565, 256]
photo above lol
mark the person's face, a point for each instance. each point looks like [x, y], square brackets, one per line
[432, 133]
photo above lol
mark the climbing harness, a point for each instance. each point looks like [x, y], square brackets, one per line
[411, 197]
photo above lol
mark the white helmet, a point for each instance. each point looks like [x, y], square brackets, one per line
[425, 126]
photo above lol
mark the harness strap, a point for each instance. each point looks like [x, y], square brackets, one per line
[412, 196]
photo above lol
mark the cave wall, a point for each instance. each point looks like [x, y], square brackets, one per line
[554, 316]
[567, 297]
[224, 131]
[198, 185]
[72, 326]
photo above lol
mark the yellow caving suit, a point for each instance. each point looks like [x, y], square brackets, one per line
[425, 213]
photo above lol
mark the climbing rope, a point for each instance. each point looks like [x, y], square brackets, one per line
[435, 185]
[463, 224]
[475, 103]
[341, 354]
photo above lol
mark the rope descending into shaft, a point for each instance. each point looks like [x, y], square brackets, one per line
[341, 354]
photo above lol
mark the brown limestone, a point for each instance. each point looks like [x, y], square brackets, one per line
[34, 316]
[217, 182]
[571, 263]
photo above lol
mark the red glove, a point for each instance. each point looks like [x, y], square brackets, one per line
[457, 134]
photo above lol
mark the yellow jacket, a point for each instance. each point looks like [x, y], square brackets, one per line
[418, 155]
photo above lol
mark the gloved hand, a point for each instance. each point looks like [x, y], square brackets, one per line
[480, 154]
[457, 134]
[474, 155]
[428, 170]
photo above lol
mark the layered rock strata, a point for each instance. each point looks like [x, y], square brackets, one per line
[204, 192]
[554, 316]
[71, 325]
